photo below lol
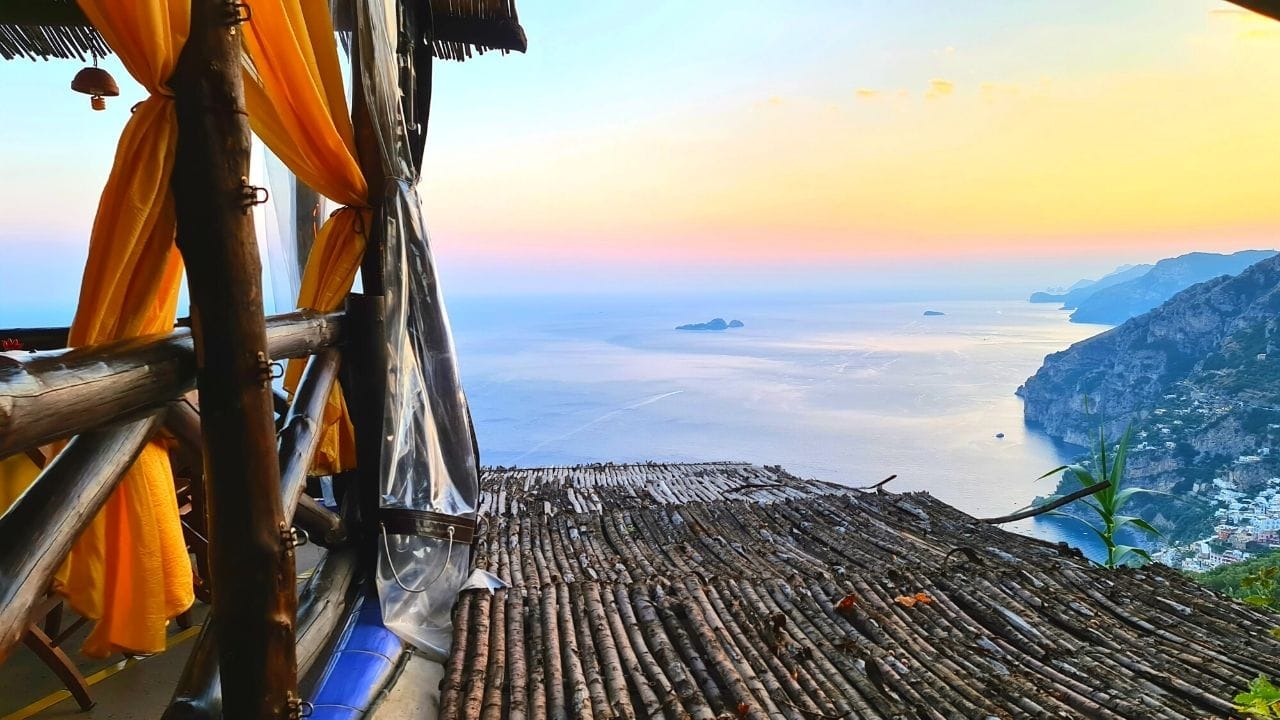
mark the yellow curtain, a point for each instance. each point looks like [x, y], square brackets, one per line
[297, 105]
[17, 472]
[130, 569]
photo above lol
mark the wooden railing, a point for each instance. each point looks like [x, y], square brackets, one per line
[108, 400]
[57, 394]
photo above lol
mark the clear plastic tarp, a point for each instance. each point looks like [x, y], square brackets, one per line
[429, 455]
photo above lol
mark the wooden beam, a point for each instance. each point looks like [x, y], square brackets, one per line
[38, 530]
[250, 553]
[364, 381]
[1049, 506]
[54, 395]
[322, 525]
[306, 218]
[301, 434]
[298, 442]
[323, 603]
[43, 338]
[322, 606]
[198, 695]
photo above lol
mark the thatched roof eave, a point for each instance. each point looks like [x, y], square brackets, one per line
[58, 29]
[1270, 8]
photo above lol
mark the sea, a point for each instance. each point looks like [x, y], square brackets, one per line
[849, 392]
[846, 391]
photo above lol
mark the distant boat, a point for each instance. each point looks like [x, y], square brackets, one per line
[933, 313]
[999, 436]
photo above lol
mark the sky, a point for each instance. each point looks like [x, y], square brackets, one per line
[982, 147]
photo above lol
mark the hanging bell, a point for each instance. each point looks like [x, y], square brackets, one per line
[96, 83]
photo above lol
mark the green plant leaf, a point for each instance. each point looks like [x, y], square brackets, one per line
[1143, 525]
[1262, 699]
[1054, 471]
[1123, 496]
[1275, 633]
[1082, 476]
[1261, 601]
[1122, 553]
[1077, 518]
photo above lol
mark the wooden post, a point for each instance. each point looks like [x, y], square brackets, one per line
[251, 556]
[306, 209]
[364, 380]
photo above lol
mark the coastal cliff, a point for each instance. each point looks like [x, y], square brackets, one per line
[1198, 378]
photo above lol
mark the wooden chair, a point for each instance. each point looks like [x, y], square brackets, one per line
[46, 643]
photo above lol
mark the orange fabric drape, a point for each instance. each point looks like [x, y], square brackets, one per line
[17, 472]
[130, 569]
[297, 105]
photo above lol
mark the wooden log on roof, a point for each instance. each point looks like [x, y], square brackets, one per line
[49, 396]
[38, 530]
[250, 551]
[810, 601]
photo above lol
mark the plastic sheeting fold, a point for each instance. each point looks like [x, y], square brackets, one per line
[429, 454]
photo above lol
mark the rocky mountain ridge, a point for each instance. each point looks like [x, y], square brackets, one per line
[1198, 378]
[1118, 302]
[1082, 289]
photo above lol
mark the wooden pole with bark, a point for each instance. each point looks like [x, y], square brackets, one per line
[365, 362]
[251, 553]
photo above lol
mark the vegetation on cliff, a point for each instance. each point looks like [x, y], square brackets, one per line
[1199, 380]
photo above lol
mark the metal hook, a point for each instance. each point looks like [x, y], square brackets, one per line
[264, 374]
[238, 13]
[251, 195]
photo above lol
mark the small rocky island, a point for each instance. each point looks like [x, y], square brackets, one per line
[713, 325]
[933, 313]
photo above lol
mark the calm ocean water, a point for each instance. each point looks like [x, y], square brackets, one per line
[849, 392]
[846, 392]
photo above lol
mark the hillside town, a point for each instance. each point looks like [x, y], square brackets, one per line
[1244, 526]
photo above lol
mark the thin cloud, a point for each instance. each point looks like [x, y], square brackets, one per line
[1249, 26]
[939, 89]
[867, 93]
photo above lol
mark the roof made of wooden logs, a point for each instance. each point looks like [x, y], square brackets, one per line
[729, 590]
[45, 29]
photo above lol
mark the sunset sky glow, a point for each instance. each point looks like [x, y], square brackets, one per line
[774, 135]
